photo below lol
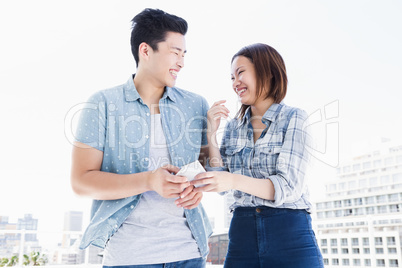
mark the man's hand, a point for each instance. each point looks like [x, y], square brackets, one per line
[165, 184]
[189, 199]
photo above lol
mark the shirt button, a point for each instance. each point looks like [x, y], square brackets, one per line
[147, 136]
[258, 210]
[147, 114]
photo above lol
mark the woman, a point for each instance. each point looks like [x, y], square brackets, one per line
[263, 159]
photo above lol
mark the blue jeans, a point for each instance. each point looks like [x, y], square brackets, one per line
[193, 263]
[266, 237]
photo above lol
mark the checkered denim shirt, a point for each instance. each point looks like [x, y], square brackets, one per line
[280, 154]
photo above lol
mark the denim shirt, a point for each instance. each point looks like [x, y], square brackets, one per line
[280, 155]
[117, 122]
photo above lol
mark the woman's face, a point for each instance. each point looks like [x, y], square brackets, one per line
[244, 80]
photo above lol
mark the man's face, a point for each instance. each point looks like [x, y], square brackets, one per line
[167, 61]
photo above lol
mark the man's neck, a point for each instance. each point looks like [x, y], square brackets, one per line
[149, 92]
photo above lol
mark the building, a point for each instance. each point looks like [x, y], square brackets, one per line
[8, 241]
[28, 223]
[70, 252]
[228, 201]
[359, 221]
[218, 247]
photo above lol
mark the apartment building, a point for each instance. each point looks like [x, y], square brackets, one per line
[359, 221]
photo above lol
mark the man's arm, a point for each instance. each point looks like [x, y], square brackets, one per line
[88, 180]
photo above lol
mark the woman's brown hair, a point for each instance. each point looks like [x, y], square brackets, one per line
[270, 72]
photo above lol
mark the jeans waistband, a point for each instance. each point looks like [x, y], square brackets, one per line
[263, 210]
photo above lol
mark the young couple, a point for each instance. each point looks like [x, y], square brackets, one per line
[132, 139]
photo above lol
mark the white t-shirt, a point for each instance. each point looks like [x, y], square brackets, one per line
[157, 230]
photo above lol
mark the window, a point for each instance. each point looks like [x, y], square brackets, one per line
[394, 208]
[356, 251]
[358, 201]
[366, 251]
[393, 263]
[334, 251]
[338, 204]
[378, 241]
[332, 187]
[399, 159]
[381, 263]
[369, 210]
[352, 184]
[338, 213]
[385, 179]
[356, 262]
[323, 242]
[377, 163]
[365, 241]
[366, 165]
[345, 262]
[348, 212]
[344, 242]
[347, 203]
[382, 209]
[367, 262]
[391, 241]
[362, 183]
[393, 197]
[324, 251]
[356, 167]
[373, 181]
[370, 200]
[335, 262]
[355, 241]
[392, 250]
[345, 251]
[326, 262]
[397, 178]
[346, 169]
[342, 186]
[389, 161]
[381, 199]
[379, 251]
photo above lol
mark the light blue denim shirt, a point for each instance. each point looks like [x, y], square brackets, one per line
[280, 155]
[117, 122]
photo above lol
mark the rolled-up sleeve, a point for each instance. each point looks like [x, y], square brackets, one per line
[291, 164]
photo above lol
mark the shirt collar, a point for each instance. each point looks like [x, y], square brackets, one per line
[132, 94]
[270, 115]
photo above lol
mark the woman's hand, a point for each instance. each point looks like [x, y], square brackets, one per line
[216, 181]
[189, 199]
[215, 113]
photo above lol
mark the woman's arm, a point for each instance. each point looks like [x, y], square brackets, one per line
[215, 113]
[221, 181]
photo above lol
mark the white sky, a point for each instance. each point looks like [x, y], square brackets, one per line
[343, 55]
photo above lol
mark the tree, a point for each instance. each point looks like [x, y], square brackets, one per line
[3, 262]
[13, 261]
[35, 258]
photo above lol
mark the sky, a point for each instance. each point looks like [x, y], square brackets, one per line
[343, 60]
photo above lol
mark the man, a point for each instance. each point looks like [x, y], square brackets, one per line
[130, 142]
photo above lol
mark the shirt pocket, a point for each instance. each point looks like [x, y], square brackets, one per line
[234, 158]
[267, 159]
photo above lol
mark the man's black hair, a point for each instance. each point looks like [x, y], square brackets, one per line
[151, 26]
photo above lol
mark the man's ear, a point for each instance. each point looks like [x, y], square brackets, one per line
[143, 50]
